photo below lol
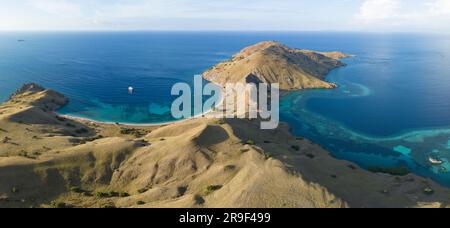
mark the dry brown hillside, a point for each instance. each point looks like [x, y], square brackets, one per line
[272, 62]
[47, 161]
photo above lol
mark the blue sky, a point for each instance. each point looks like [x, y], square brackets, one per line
[289, 15]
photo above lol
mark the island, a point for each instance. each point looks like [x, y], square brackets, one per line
[47, 160]
[273, 62]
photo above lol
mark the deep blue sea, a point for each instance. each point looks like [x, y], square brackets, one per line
[392, 107]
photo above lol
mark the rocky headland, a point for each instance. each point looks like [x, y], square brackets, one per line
[50, 161]
[273, 62]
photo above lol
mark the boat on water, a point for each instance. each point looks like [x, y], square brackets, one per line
[20, 40]
[435, 161]
[130, 90]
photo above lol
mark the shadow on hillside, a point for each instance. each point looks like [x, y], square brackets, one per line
[357, 187]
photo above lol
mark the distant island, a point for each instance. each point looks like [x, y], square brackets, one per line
[47, 160]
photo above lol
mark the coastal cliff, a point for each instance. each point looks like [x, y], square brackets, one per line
[273, 62]
[47, 160]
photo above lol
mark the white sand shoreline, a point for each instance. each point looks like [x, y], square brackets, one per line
[202, 115]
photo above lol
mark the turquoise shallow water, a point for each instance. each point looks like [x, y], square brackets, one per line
[391, 108]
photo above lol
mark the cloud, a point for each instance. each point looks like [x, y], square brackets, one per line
[198, 15]
[378, 10]
[230, 9]
[404, 15]
[439, 7]
[359, 15]
[61, 8]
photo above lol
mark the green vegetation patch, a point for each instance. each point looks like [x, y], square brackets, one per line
[76, 190]
[428, 191]
[140, 203]
[14, 190]
[244, 150]
[395, 171]
[110, 194]
[212, 188]
[312, 156]
[133, 131]
[124, 194]
[142, 190]
[82, 131]
[56, 204]
[250, 142]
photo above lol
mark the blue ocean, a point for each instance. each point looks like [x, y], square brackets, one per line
[391, 109]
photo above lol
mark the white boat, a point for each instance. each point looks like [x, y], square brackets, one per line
[130, 89]
[435, 161]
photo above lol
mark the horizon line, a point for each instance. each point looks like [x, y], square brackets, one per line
[227, 31]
